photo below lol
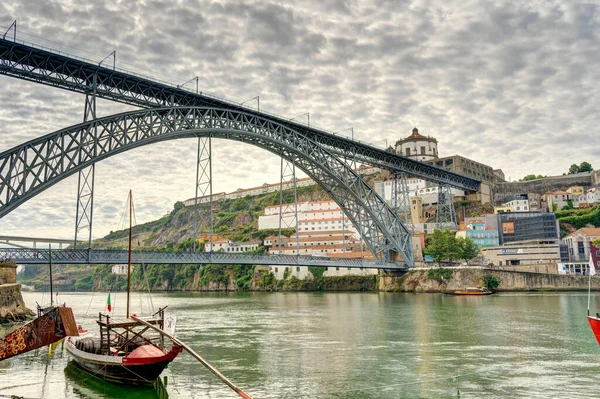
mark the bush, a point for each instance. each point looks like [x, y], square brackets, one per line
[316, 271]
[491, 281]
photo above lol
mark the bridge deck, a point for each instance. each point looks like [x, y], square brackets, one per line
[32, 256]
[26, 61]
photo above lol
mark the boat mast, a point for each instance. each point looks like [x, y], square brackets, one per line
[50, 258]
[129, 252]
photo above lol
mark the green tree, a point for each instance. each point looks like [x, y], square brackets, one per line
[178, 205]
[468, 248]
[574, 169]
[596, 242]
[529, 177]
[585, 167]
[442, 245]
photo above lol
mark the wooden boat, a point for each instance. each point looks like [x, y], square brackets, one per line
[124, 351]
[54, 324]
[471, 291]
[595, 325]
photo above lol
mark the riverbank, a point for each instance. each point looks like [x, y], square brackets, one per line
[215, 279]
[421, 281]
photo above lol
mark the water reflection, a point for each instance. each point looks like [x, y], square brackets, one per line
[350, 345]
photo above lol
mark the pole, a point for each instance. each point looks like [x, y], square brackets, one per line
[51, 291]
[216, 372]
[129, 252]
[589, 288]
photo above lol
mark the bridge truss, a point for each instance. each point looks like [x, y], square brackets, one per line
[29, 256]
[32, 167]
[25, 61]
[381, 229]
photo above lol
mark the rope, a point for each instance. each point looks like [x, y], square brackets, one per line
[148, 286]
[90, 304]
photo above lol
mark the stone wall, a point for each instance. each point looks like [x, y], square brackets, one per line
[541, 186]
[8, 273]
[12, 306]
[417, 281]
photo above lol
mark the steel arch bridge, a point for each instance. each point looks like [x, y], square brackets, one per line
[49, 67]
[36, 165]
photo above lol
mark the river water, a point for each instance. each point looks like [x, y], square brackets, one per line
[347, 345]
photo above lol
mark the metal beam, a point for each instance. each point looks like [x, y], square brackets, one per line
[25, 61]
[31, 256]
[36, 165]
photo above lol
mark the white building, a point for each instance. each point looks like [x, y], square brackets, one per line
[323, 231]
[417, 146]
[517, 205]
[579, 243]
[229, 246]
[119, 269]
[417, 188]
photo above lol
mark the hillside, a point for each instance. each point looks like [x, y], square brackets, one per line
[574, 219]
[235, 219]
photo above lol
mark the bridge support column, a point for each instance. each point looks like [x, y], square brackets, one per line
[446, 215]
[204, 187]
[288, 179]
[401, 199]
[85, 182]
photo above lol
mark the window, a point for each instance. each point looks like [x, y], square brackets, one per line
[422, 150]
[298, 268]
[337, 268]
[408, 152]
[276, 269]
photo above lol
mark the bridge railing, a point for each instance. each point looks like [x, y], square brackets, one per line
[154, 79]
[96, 256]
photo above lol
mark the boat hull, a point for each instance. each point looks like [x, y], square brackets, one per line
[52, 326]
[469, 293]
[595, 325]
[113, 369]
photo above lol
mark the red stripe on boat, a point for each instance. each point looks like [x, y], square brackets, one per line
[147, 354]
[595, 324]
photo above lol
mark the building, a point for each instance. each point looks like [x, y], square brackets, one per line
[499, 176]
[465, 166]
[323, 231]
[525, 226]
[476, 230]
[228, 246]
[580, 243]
[518, 203]
[523, 253]
[417, 146]
[119, 269]
[428, 192]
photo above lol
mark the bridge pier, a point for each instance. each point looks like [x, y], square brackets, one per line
[85, 182]
[446, 215]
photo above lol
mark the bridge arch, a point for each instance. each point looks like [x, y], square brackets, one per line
[36, 165]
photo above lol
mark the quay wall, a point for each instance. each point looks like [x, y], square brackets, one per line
[418, 281]
[12, 306]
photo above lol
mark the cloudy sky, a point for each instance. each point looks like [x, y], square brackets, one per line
[513, 85]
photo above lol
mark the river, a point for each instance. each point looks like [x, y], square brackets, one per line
[347, 345]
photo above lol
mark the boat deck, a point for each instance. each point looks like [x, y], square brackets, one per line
[126, 323]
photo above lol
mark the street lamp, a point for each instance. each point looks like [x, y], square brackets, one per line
[307, 114]
[349, 128]
[191, 80]
[257, 98]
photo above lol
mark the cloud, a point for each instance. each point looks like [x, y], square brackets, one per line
[510, 85]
